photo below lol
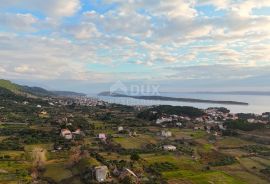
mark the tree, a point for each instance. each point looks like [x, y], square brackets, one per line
[135, 156]
[128, 180]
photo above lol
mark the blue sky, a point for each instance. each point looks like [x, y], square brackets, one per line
[88, 45]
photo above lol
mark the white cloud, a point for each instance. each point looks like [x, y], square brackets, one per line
[54, 8]
[18, 22]
[84, 31]
[24, 69]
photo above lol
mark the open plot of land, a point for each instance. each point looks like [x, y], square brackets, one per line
[237, 170]
[183, 162]
[135, 142]
[207, 177]
[250, 164]
[234, 152]
[187, 133]
[232, 142]
[14, 170]
[14, 155]
[263, 161]
[114, 156]
[57, 171]
[247, 177]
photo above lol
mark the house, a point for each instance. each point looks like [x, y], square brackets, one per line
[169, 148]
[77, 131]
[66, 133]
[132, 133]
[101, 173]
[166, 133]
[25, 102]
[43, 113]
[179, 124]
[221, 127]
[161, 120]
[120, 128]
[102, 136]
[251, 120]
[38, 106]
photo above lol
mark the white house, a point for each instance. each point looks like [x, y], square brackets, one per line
[169, 148]
[161, 120]
[102, 136]
[166, 133]
[77, 131]
[102, 173]
[66, 133]
[120, 128]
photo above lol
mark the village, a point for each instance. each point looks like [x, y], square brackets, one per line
[82, 140]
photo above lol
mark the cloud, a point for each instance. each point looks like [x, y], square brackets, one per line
[18, 22]
[59, 39]
[24, 69]
[50, 8]
[222, 72]
[123, 22]
[83, 31]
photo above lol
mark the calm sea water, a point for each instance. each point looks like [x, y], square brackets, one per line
[257, 104]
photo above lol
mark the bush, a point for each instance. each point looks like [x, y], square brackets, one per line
[135, 156]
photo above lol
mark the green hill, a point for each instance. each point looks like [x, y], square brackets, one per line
[9, 86]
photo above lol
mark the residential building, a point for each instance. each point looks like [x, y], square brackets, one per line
[66, 133]
[166, 133]
[169, 148]
[101, 173]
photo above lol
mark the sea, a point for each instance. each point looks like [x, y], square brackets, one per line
[257, 104]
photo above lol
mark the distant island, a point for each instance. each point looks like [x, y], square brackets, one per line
[164, 98]
[257, 93]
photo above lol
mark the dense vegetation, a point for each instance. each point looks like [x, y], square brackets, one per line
[243, 125]
[170, 110]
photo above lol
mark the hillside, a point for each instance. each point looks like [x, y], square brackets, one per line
[9, 85]
[34, 91]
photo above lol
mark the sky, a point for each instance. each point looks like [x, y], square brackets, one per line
[180, 45]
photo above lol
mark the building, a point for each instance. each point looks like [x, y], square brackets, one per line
[66, 133]
[77, 131]
[132, 134]
[161, 120]
[166, 133]
[101, 173]
[102, 136]
[169, 148]
[43, 113]
[120, 128]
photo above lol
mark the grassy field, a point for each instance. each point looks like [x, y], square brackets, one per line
[11, 171]
[232, 142]
[239, 171]
[16, 155]
[187, 133]
[57, 171]
[135, 142]
[183, 162]
[8, 85]
[207, 177]
[114, 156]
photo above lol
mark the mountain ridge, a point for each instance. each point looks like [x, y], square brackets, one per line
[34, 91]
